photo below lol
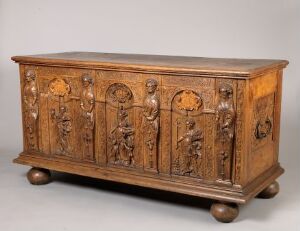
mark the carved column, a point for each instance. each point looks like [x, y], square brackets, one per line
[31, 110]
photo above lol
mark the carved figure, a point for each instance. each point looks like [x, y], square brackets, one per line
[122, 140]
[190, 148]
[87, 103]
[225, 117]
[64, 127]
[151, 122]
[30, 99]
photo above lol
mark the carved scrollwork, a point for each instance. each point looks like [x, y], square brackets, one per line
[122, 140]
[225, 117]
[190, 145]
[64, 128]
[87, 104]
[31, 110]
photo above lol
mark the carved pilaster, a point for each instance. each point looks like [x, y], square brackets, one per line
[225, 118]
[87, 104]
[151, 124]
[31, 110]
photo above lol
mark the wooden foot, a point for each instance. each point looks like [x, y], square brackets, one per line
[270, 191]
[39, 176]
[224, 212]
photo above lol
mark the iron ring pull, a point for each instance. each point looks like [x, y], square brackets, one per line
[263, 129]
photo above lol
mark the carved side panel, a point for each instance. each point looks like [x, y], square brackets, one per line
[225, 122]
[31, 110]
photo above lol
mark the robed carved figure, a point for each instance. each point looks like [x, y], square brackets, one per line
[87, 103]
[151, 123]
[122, 140]
[225, 116]
[190, 148]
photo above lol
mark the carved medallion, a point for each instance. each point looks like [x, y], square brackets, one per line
[189, 101]
[31, 110]
[120, 93]
[263, 120]
[59, 87]
[151, 123]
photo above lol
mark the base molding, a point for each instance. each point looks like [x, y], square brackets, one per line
[233, 195]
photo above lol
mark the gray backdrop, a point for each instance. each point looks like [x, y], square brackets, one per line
[232, 28]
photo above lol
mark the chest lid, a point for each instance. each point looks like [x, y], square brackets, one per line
[162, 64]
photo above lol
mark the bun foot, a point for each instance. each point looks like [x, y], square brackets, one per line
[270, 191]
[224, 212]
[39, 176]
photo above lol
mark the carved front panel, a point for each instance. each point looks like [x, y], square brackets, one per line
[131, 118]
[66, 113]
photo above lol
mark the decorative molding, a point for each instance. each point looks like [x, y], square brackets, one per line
[31, 109]
[239, 141]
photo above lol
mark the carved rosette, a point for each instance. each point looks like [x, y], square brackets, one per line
[151, 123]
[121, 136]
[225, 117]
[31, 110]
[87, 104]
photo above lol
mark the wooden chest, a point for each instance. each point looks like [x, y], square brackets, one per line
[199, 126]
